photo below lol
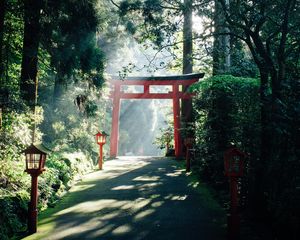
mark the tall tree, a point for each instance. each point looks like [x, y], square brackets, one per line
[70, 38]
[187, 58]
[187, 61]
[221, 48]
[2, 15]
[270, 30]
[29, 80]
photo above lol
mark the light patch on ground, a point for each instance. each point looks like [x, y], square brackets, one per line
[153, 196]
[140, 203]
[146, 178]
[123, 187]
[144, 214]
[92, 206]
[109, 216]
[127, 206]
[149, 185]
[194, 184]
[81, 187]
[176, 197]
[122, 229]
[179, 198]
[80, 228]
[161, 169]
[175, 174]
[157, 204]
[102, 231]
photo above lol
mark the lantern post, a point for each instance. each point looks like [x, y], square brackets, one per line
[188, 142]
[234, 169]
[101, 140]
[35, 156]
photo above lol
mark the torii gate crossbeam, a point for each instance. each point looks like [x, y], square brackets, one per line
[178, 83]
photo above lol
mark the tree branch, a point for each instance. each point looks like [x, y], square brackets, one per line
[113, 2]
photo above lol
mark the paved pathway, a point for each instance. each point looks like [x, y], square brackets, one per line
[133, 198]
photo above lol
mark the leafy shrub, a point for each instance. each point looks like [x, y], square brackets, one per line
[13, 213]
[227, 112]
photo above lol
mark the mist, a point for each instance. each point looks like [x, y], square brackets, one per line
[141, 120]
[140, 123]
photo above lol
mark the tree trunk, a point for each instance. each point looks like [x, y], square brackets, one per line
[187, 57]
[2, 15]
[265, 144]
[221, 49]
[187, 61]
[29, 81]
[59, 89]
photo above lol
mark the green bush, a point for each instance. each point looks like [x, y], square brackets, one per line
[13, 213]
[227, 112]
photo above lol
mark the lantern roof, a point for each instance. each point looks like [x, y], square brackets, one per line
[37, 148]
[102, 133]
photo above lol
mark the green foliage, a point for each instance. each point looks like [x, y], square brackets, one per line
[69, 36]
[281, 174]
[165, 138]
[13, 213]
[62, 170]
[68, 53]
[71, 126]
[150, 20]
[12, 44]
[74, 155]
[242, 64]
[14, 183]
[227, 112]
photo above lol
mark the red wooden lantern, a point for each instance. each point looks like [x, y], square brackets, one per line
[35, 156]
[234, 162]
[101, 138]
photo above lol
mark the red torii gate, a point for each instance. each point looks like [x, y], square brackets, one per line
[178, 83]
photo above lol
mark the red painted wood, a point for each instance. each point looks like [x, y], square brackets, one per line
[115, 123]
[154, 95]
[32, 218]
[100, 161]
[146, 89]
[154, 82]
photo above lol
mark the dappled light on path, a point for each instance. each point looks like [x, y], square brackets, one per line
[132, 198]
